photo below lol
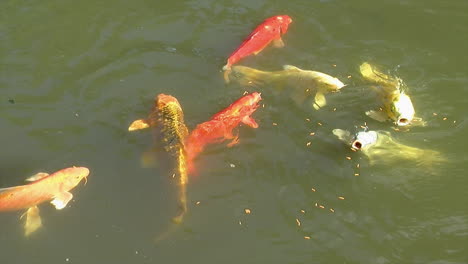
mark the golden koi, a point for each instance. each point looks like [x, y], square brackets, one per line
[44, 187]
[167, 119]
[396, 104]
[381, 148]
[305, 83]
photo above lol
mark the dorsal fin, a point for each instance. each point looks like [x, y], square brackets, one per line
[290, 68]
[9, 189]
[37, 176]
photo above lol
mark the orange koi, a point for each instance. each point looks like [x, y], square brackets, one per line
[44, 187]
[269, 31]
[220, 127]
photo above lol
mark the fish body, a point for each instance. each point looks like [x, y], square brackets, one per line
[381, 148]
[167, 120]
[45, 187]
[270, 30]
[220, 126]
[396, 104]
[303, 83]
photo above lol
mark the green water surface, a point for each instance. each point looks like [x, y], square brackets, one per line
[74, 74]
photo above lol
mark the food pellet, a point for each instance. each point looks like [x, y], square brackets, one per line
[275, 124]
[313, 190]
[298, 222]
[356, 174]
[331, 210]
[307, 237]
[444, 118]
[308, 143]
[302, 211]
[197, 203]
[322, 207]
[247, 211]
[348, 158]
[307, 119]
[312, 133]
[341, 197]
[318, 123]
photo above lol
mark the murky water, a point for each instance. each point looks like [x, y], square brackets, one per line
[74, 74]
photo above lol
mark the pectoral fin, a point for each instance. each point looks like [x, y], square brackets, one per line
[148, 159]
[138, 124]
[278, 43]
[37, 176]
[417, 121]
[343, 135]
[377, 115]
[61, 200]
[319, 101]
[33, 220]
[250, 122]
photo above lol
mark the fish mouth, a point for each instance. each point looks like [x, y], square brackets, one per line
[357, 145]
[403, 121]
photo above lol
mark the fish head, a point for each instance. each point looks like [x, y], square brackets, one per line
[72, 176]
[163, 100]
[402, 109]
[251, 102]
[245, 106]
[363, 139]
[283, 21]
[329, 83]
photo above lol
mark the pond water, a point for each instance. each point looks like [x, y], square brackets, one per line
[75, 74]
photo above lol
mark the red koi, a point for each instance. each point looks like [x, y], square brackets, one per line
[270, 30]
[45, 187]
[220, 127]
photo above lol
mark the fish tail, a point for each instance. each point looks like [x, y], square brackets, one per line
[183, 179]
[166, 233]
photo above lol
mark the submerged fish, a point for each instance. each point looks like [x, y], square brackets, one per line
[44, 187]
[220, 126]
[396, 104]
[269, 31]
[167, 120]
[302, 82]
[381, 148]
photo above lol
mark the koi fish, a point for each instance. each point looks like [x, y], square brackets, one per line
[381, 148]
[304, 83]
[167, 119]
[220, 127]
[44, 187]
[269, 31]
[396, 104]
